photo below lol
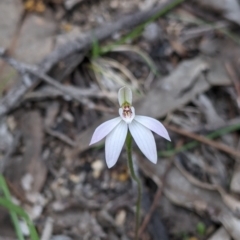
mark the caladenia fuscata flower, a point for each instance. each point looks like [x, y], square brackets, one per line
[140, 127]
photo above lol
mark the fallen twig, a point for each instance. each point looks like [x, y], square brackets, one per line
[228, 199]
[10, 151]
[199, 138]
[52, 92]
[13, 97]
[79, 95]
[218, 126]
[233, 75]
[61, 136]
[48, 229]
[155, 201]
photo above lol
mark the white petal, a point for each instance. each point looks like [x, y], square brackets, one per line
[128, 116]
[114, 143]
[154, 125]
[125, 96]
[104, 129]
[144, 139]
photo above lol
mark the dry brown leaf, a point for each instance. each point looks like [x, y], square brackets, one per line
[220, 234]
[31, 164]
[235, 183]
[181, 192]
[229, 8]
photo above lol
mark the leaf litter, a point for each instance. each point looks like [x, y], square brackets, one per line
[188, 74]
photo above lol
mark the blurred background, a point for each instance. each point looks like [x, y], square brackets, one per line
[61, 65]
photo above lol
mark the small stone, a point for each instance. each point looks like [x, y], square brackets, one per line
[68, 117]
[120, 218]
[97, 167]
[146, 4]
[11, 122]
[152, 32]
[58, 206]
[114, 4]
[209, 46]
[64, 192]
[24, 228]
[74, 178]
[61, 237]
[27, 181]
[123, 177]
[36, 212]
[36, 198]
[235, 183]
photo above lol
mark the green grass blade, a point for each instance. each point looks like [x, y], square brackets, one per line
[16, 210]
[138, 30]
[95, 49]
[13, 215]
[19, 211]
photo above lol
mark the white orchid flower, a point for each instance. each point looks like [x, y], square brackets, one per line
[140, 127]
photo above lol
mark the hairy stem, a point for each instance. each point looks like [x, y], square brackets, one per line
[136, 179]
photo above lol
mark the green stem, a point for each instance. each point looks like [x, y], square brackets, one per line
[136, 179]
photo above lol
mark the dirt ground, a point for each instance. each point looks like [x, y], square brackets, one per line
[62, 63]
